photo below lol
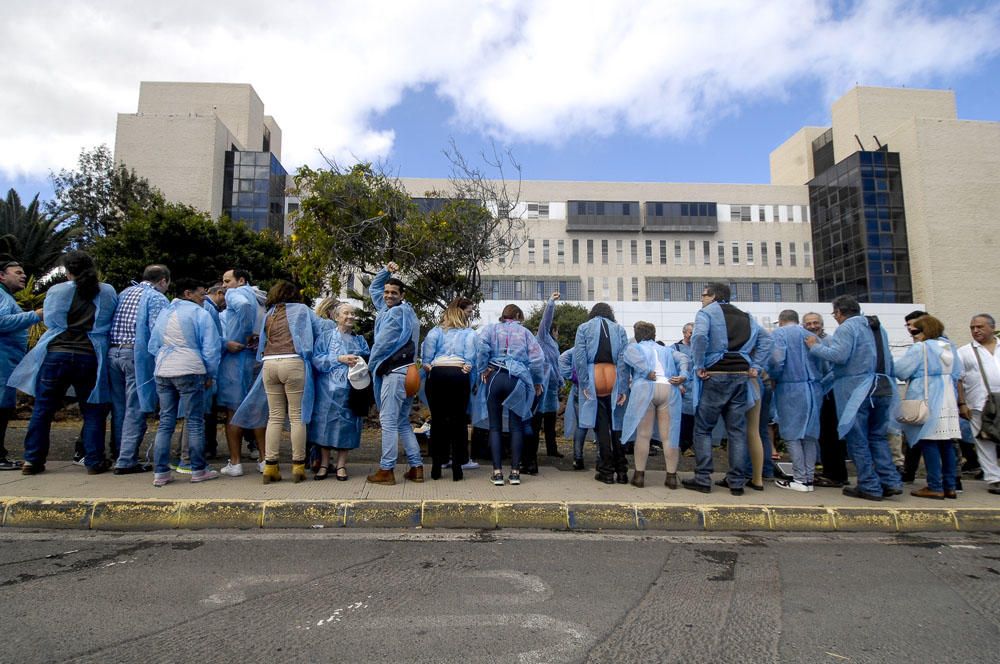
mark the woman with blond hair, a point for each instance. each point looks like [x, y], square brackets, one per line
[448, 356]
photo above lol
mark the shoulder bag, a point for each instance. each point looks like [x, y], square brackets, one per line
[915, 411]
[990, 428]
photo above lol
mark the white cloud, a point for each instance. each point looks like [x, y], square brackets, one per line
[536, 70]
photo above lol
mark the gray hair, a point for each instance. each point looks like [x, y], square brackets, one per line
[788, 316]
[988, 317]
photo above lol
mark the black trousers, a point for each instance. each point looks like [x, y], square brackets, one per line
[608, 440]
[448, 391]
[6, 415]
[687, 431]
[540, 422]
[832, 450]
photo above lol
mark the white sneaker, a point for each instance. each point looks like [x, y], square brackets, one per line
[260, 467]
[793, 485]
[472, 465]
[204, 475]
[232, 469]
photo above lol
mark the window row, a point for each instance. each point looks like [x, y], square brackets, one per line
[726, 253]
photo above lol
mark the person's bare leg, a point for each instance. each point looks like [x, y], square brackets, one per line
[342, 462]
[234, 438]
[259, 435]
[755, 444]
[324, 457]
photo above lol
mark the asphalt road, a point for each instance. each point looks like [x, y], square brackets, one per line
[497, 597]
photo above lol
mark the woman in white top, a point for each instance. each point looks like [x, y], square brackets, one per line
[933, 356]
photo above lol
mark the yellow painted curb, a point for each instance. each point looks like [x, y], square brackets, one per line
[870, 519]
[48, 513]
[669, 517]
[925, 520]
[973, 519]
[303, 514]
[458, 514]
[135, 515]
[549, 516]
[729, 517]
[602, 516]
[220, 514]
[382, 514]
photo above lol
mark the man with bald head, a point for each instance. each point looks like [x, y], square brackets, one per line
[981, 367]
[832, 450]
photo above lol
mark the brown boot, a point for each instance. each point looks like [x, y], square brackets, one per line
[271, 473]
[382, 476]
[927, 492]
[415, 474]
[671, 481]
[298, 471]
[639, 479]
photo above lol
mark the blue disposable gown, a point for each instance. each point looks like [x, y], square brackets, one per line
[457, 341]
[910, 367]
[14, 324]
[57, 302]
[687, 400]
[394, 327]
[585, 349]
[333, 423]
[238, 324]
[640, 361]
[550, 395]
[511, 346]
[151, 303]
[571, 414]
[200, 334]
[710, 342]
[798, 394]
[304, 326]
[850, 350]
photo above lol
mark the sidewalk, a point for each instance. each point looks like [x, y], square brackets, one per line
[66, 497]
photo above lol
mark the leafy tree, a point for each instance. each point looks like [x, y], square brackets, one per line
[567, 316]
[35, 239]
[99, 195]
[190, 244]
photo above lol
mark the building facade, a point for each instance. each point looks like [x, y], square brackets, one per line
[210, 146]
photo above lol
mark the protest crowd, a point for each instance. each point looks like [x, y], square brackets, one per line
[266, 362]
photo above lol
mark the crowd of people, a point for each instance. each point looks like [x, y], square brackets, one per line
[269, 361]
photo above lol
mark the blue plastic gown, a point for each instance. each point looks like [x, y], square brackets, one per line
[305, 326]
[687, 401]
[200, 334]
[639, 362]
[550, 395]
[14, 324]
[333, 423]
[710, 342]
[911, 367]
[393, 328]
[151, 303]
[510, 345]
[238, 324]
[57, 303]
[798, 394]
[585, 349]
[460, 342]
[572, 404]
[851, 352]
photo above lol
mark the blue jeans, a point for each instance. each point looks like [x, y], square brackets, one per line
[394, 417]
[499, 388]
[804, 452]
[128, 422]
[722, 395]
[868, 446]
[939, 459]
[181, 397]
[58, 372]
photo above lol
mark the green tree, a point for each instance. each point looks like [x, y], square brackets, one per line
[190, 244]
[567, 316]
[100, 195]
[32, 237]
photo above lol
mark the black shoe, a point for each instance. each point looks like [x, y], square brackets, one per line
[907, 479]
[980, 475]
[607, 479]
[28, 468]
[529, 468]
[724, 483]
[826, 482]
[578, 464]
[621, 477]
[855, 492]
[456, 472]
[736, 492]
[694, 486]
[755, 487]
[102, 467]
[132, 470]
[555, 453]
[7, 464]
[889, 491]
[436, 471]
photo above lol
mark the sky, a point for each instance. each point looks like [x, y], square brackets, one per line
[644, 90]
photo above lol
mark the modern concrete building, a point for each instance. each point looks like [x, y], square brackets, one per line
[208, 145]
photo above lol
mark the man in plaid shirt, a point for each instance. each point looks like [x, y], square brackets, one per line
[133, 390]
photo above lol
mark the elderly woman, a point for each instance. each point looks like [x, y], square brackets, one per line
[72, 353]
[334, 425]
[654, 398]
[448, 356]
[286, 347]
[932, 360]
[513, 372]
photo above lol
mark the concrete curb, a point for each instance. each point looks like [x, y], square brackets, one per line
[139, 515]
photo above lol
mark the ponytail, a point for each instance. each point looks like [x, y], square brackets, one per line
[81, 266]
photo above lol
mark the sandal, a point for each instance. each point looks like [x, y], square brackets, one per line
[344, 477]
[322, 473]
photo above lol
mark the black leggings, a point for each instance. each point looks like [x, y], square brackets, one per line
[608, 440]
[448, 392]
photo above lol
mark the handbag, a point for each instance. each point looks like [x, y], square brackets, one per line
[915, 411]
[990, 427]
